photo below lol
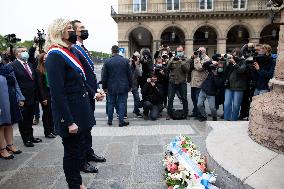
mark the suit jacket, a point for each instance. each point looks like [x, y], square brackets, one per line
[91, 78]
[117, 76]
[27, 85]
[69, 97]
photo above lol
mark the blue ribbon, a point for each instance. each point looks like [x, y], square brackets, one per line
[85, 55]
[175, 148]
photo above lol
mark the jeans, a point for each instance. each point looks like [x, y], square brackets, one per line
[71, 160]
[211, 101]
[182, 89]
[194, 97]
[153, 109]
[117, 101]
[232, 104]
[136, 101]
[259, 92]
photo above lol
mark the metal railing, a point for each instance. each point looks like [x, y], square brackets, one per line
[189, 7]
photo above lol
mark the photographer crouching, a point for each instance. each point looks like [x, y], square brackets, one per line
[152, 98]
[263, 70]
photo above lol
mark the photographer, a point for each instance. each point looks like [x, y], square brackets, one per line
[198, 75]
[208, 90]
[263, 70]
[160, 69]
[152, 98]
[178, 68]
[236, 73]
[147, 66]
[136, 69]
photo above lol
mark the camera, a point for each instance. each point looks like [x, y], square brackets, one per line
[197, 53]
[11, 38]
[40, 39]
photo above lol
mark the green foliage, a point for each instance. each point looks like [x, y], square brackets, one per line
[4, 45]
[100, 54]
[26, 44]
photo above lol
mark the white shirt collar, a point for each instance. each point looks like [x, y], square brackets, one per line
[79, 43]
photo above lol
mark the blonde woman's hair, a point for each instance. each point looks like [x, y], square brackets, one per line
[267, 47]
[55, 33]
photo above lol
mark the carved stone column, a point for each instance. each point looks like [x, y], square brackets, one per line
[266, 124]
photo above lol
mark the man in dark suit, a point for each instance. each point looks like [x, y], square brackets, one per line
[117, 82]
[25, 75]
[92, 88]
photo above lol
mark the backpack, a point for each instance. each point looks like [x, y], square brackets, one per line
[178, 115]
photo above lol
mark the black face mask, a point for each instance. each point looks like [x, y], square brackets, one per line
[84, 34]
[72, 37]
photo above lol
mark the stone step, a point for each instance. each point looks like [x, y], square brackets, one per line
[239, 161]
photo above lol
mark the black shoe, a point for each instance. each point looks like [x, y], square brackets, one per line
[96, 158]
[10, 156]
[12, 149]
[109, 123]
[35, 121]
[29, 144]
[88, 168]
[138, 115]
[125, 123]
[36, 140]
[214, 118]
[202, 119]
[50, 136]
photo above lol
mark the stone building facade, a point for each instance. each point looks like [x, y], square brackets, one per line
[218, 25]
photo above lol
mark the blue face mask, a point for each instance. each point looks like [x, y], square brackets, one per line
[25, 56]
[220, 70]
[179, 54]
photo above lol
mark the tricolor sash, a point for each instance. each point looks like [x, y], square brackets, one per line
[70, 58]
[85, 55]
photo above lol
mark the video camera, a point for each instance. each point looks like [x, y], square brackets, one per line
[40, 39]
[11, 39]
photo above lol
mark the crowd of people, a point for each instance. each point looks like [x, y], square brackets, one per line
[61, 77]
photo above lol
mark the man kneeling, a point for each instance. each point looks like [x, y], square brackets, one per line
[152, 98]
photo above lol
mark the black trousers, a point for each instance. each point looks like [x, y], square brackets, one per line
[25, 125]
[86, 146]
[72, 159]
[47, 119]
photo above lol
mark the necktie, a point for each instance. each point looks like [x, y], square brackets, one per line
[28, 70]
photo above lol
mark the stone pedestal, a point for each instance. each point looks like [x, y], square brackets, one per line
[266, 124]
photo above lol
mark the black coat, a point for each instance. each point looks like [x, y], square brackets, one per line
[91, 78]
[27, 85]
[153, 94]
[214, 82]
[117, 76]
[69, 97]
[43, 92]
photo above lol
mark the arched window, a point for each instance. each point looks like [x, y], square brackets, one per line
[173, 5]
[239, 4]
[206, 4]
[139, 5]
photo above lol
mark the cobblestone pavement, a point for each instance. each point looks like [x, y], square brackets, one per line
[134, 154]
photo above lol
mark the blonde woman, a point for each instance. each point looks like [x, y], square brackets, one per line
[71, 109]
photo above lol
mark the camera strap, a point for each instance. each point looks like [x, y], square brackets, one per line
[70, 58]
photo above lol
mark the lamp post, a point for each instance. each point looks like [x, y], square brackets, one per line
[266, 125]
